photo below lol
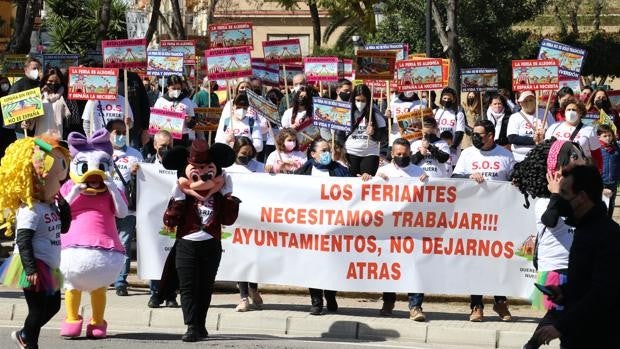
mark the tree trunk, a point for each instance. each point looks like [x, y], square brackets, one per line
[598, 9]
[316, 24]
[104, 18]
[155, 5]
[572, 16]
[449, 39]
[164, 22]
[211, 11]
[177, 20]
[561, 23]
[26, 12]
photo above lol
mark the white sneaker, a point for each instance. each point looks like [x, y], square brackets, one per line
[257, 300]
[244, 305]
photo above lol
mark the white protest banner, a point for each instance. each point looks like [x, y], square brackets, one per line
[137, 24]
[154, 185]
[444, 236]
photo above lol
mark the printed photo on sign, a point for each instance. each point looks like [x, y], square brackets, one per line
[62, 62]
[21, 106]
[330, 114]
[186, 47]
[307, 135]
[231, 35]
[570, 58]
[321, 68]
[345, 68]
[129, 53]
[402, 50]
[228, 63]
[374, 65]
[93, 83]
[164, 63]
[270, 77]
[423, 74]
[535, 75]
[282, 51]
[479, 80]
[13, 65]
[264, 107]
[207, 119]
[170, 121]
[291, 71]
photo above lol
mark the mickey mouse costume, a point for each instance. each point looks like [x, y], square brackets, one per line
[201, 202]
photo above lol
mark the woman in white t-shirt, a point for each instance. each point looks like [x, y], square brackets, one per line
[286, 158]
[574, 130]
[363, 143]
[240, 124]
[176, 100]
[300, 113]
[246, 158]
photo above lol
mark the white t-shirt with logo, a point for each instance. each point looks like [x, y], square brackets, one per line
[448, 121]
[553, 243]
[398, 107]
[517, 125]
[429, 164]
[586, 137]
[101, 112]
[392, 171]
[44, 219]
[494, 165]
[185, 106]
[241, 128]
[359, 143]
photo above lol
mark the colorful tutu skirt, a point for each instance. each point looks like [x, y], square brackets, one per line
[541, 301]
[12, 274]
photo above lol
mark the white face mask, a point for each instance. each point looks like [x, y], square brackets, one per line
[34, 74]
[360, 105]
[174, 93]
[240, 113]
[408, 94]
[571, 116]
[4, 87]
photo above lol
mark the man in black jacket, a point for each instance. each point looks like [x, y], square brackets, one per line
[593, 288]
[31, 79]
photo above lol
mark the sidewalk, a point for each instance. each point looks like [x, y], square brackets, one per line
[287, 316]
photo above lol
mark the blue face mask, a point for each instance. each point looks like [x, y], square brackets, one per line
[119, 141]
[325, 158]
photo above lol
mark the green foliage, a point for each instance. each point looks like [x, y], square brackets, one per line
[341, 52]
[73, 24]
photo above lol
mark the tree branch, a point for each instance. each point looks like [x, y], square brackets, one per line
[439, 26]
[155, 5]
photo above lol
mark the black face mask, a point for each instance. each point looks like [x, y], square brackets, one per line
[257, 90]
[163, 151]
[53, 87]
[447, 104]
[471, 100]
[402, 161]
[244, 160]
[303, 101]
[599, 103]
[476, 140]
[565, 209]
[344, 96]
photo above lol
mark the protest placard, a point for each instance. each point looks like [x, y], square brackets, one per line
[168, 120]
[21, 106]
[282, 51]
[224, 35]
[62, 62]
[345, 68]
[164, 63]
[207, 119]
[419, 74]
[330, 114]
[264, 107]
[614, 99]
[99, 84]
[535, 75]
[268, 73]
[479, 80]
[13, 65]
[186, 47]
[291, 71]
[137, 24]
[320, 69]
[130, 53]
[570, 59]
[374, 65]
[402, 50]
[228, 63]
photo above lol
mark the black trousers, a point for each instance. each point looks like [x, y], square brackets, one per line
[197, 263]
[41, 308]
[359, 165]
[316, 296]
[244, 288]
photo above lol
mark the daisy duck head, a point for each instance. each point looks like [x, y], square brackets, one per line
[92, 160]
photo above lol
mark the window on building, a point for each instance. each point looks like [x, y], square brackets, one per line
[304, 41]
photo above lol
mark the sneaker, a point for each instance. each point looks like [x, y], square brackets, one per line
[257, 300]
[387, 308]
[476, 314]
[316, 310]
[154, 302]
[501, 308]
[243, 306]
[122, 291]
[416, 314]
[16, 336]
[172, 303]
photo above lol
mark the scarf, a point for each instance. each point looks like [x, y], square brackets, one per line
[609, 147]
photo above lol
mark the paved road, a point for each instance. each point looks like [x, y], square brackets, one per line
[152, 340]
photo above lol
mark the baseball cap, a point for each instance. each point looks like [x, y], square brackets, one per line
[524, 95]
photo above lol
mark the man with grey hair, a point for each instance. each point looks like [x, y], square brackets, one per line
[202, 98]
[299, 80]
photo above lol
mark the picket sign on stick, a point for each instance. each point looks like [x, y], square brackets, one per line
[546, 110]
[333, 140]
[536, 113]
[127, 126]
[428, 99]
[372, 93]
[389, 95]
[230, 88]
[482, 114]
[288, 103]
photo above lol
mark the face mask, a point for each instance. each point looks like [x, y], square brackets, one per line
[325, 158]
[303, 100]
[497, 110]
[161, 152]
[53, 87]
[119, 141]
[360, 105]
[344, 96]
[296, 88]
[424, 101]
[571, 116]
[408, 94]
[599, 103]
[34, 74]
[240, 113]
[174, 94]
[258, 90]
[289, 145]
[476, 140]
[402, 161]
[447, 104]
[243, 160]
[5, 87]
[471, 100]
[565, 209]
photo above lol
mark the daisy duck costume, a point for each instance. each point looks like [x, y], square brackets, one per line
[92, 254]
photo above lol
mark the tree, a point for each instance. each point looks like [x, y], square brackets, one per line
[25, 14]
[178, 30]
[102, 31]
[313, 6]
[448, 37]
[155, 6]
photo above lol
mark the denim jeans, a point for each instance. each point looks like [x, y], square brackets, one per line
[126, 232]
[415, 299]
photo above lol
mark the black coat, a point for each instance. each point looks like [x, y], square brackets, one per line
[592, 291]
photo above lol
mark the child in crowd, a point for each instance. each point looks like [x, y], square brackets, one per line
[611, 164]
